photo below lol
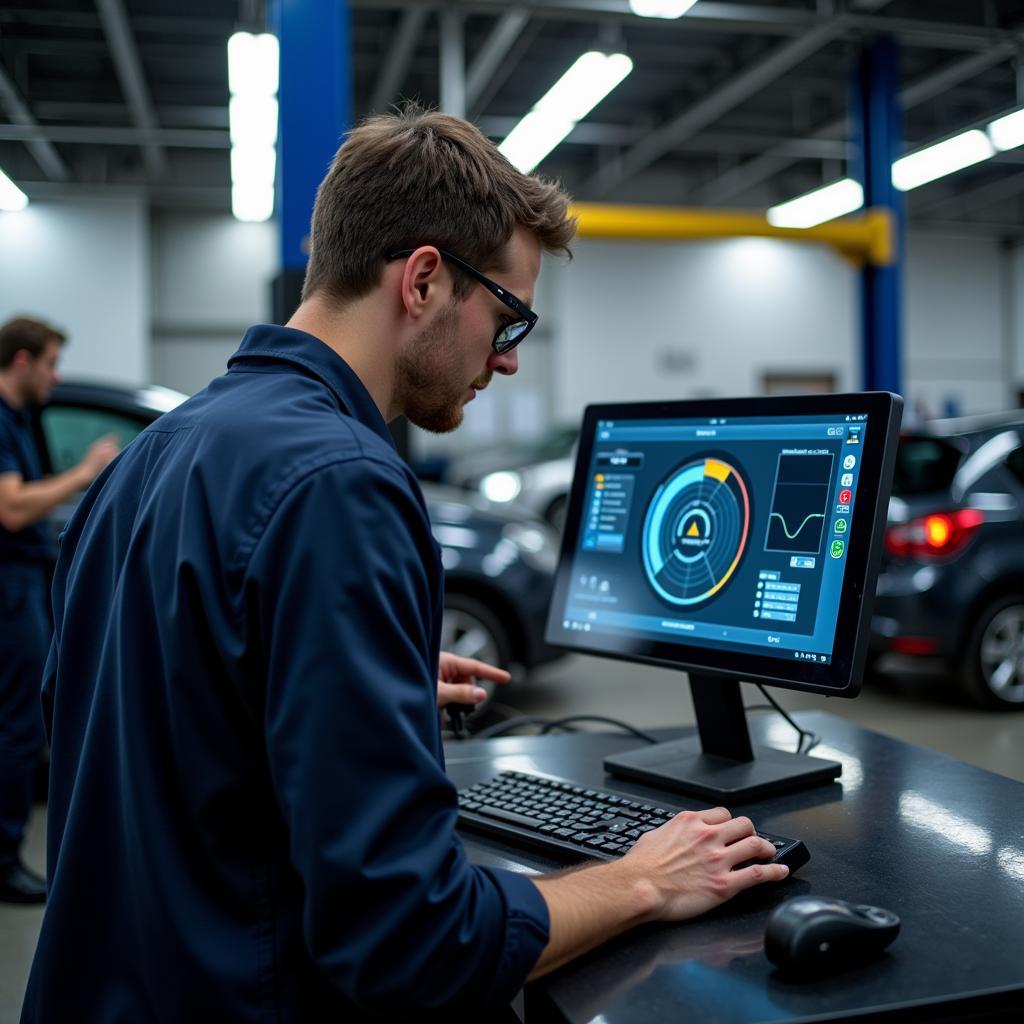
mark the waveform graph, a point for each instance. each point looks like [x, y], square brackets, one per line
[799, 509]
[695, 531]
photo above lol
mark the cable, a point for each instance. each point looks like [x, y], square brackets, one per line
[501, 728]
[625, 726]
[802, 734]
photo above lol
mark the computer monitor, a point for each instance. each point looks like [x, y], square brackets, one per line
[738, 539]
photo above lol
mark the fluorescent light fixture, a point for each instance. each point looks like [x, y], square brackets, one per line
[820, 205]
[943, 158]
[252, 112]
[253, 165]
[11, 197]
[569, 100]
[253, 64]
[253, 120]
[252, 202]
[660, 8]
[1007, 132]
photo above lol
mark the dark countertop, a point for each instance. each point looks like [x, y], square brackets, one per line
[938, 841]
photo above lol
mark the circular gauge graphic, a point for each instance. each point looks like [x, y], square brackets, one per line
[696, 531]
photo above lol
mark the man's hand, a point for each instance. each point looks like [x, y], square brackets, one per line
[675, 872]
[98, 456]
[456, 676]
[689, 861]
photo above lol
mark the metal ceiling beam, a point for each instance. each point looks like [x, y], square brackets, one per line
[396, 61]
[133, 82]
[722, 98]
[50, 161]
[592, 133]
[112, 135]
[965, 201]
[925, 88]
[170, 116]
[730, 17]
[494, 51]
[453, 62]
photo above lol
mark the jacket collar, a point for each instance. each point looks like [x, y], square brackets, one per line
[288, 345]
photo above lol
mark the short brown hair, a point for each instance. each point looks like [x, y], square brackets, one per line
[25, 333]
[420, 177]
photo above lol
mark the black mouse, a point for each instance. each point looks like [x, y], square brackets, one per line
[809, 932]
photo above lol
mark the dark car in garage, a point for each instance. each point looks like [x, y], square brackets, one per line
[951, 585]
[499, 562]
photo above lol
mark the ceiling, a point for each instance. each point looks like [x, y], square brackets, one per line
[735, 104]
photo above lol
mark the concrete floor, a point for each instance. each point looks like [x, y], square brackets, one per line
[911, 705]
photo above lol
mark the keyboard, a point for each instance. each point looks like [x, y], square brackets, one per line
[569, 821]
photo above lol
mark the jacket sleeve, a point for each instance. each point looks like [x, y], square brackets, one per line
[343, 587]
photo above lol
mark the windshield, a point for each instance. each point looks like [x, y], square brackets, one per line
[924, 465]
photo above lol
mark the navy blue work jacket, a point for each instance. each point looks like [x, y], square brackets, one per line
[249, 816]
[18, 455]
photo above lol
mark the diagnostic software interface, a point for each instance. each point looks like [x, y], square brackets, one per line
[727, 533]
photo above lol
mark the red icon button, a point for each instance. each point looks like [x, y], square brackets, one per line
[845, 496]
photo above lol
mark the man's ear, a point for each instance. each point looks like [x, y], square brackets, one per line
[22, 359]
[424, 281]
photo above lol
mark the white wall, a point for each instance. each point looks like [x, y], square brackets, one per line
[85, 268]
[211, 280]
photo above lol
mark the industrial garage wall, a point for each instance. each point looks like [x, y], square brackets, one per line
[211, 280]
[84, 266]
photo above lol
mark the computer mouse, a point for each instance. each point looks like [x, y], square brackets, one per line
[810, 932]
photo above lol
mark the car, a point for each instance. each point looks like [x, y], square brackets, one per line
[536, 476]
[951, 584]
[499, 561]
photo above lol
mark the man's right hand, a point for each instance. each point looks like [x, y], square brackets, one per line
[98, 456]
[672, 873]
[689, 861]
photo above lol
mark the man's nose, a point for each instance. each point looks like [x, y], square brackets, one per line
[507, 363]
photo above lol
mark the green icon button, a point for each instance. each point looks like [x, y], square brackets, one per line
[840, 526]
[838, 547]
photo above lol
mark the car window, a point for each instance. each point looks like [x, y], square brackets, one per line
[924, 465]
[1015, 464]
[69, 430]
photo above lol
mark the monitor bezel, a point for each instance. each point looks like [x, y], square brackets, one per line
[842, 677]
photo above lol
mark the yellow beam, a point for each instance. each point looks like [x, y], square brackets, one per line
[869, 236]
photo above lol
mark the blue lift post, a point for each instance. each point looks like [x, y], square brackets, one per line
[879, 136]
[315, 97]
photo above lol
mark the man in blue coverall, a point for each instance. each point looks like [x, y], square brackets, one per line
[29, 350]
[249, 814]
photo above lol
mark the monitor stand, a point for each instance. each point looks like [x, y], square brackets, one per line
[721, 765]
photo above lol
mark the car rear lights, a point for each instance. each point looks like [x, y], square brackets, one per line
[934, 537]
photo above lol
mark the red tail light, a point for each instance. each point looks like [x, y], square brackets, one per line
[936, 536]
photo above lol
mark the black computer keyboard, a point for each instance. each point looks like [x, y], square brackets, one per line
[566, 820]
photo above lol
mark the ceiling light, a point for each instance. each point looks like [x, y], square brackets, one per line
[253, 75]
[1007, 132]
[569, 100]
[253, 64]
[252, 202]
[943, 158]
[660, 8]
[253, 120]
[826, 203]
[11, 197]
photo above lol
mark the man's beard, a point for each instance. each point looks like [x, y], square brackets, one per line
[428, 376]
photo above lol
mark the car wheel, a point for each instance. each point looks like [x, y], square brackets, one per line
[472, 630]
[993, 667]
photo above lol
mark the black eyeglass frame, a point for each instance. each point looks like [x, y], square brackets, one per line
[520, 308]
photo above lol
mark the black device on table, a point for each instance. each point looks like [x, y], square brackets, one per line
[735, 539]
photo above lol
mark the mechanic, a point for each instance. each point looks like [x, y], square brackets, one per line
[249, 814]
[29, 350]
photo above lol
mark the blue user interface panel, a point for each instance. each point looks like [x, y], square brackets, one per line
[719, 533]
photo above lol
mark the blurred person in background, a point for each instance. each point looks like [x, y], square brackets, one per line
[29, 350]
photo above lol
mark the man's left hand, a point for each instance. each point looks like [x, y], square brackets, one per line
[456, 677]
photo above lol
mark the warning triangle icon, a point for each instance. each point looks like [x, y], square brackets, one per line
[693, 531]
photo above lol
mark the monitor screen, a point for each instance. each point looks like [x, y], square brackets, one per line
[735, 536]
